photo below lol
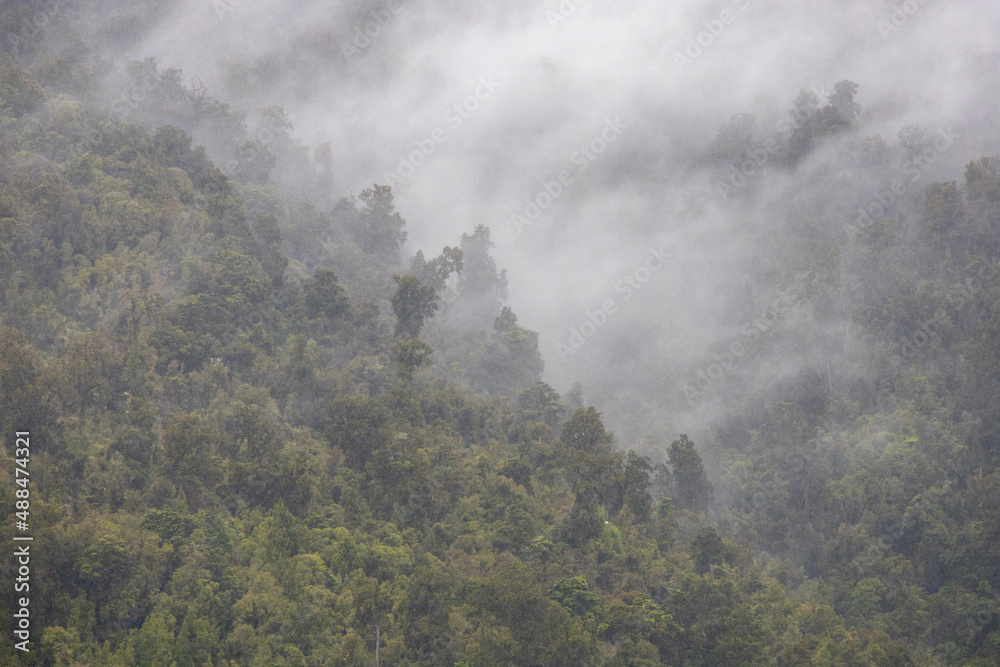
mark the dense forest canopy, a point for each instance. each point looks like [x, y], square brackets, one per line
[268, 429]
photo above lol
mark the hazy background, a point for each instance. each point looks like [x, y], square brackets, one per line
[562, 74]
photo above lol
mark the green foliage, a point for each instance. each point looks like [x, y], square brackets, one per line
[226, 471]
[481, 288]
[20, 93]
[170, 525]
[692, 490]
[636, 487]
[106, 563]
[379, 227]
[358, 426]
[412, 303]
[585, 431]
[541, 403]
[437, 271]
[410, 355]
[188, 455]
[504, 362]
[324, 296]
[707, 550]
[574, 594]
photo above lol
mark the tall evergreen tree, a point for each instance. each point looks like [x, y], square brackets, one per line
[692, 490]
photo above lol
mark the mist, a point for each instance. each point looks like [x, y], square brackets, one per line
[582, 135]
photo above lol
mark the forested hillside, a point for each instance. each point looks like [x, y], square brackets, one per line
[264, 433]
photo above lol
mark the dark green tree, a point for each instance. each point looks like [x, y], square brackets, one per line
[692, 491]
[482, 289]
[510, 360]
[505, 321]
[413, 302]
[379, 228]
[574, 594]
[585, 432]
[540, 403]
[410, 355]
[425, 615]
[636, 487]
[358, 426]
[707, 550]
[436, 272]
[324, 295]
[188, 454]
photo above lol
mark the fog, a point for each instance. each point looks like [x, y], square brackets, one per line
[581, 134]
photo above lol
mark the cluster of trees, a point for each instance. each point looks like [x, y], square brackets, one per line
[742, 152]
[262, 437]
[229, 471]
[868, 478]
